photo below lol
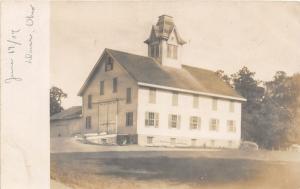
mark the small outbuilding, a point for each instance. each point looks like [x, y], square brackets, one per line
[66, 123]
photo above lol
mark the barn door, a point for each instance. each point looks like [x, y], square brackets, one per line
[107, 117]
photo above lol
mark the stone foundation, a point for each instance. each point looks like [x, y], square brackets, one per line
[172, 141]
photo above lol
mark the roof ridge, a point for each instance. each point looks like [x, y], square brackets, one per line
[133, 54]
[127, 53]
[184, 65]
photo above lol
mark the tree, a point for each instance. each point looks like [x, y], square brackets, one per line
[244, 82]
[226, 78]
[56, 96]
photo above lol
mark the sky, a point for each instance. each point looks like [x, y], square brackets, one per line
[264, 36]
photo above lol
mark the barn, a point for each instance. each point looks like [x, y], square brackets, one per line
[159, 99]
[66, 123]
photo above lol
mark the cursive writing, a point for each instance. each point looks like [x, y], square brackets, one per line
[13, 43]
[12, 75]
[29, 22]
[29, 18]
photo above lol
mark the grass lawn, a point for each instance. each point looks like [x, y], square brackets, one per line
[172, 169]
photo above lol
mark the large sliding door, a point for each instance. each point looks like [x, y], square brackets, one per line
[107, 117]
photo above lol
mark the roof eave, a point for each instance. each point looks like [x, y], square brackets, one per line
[193, 92]
[83, 87]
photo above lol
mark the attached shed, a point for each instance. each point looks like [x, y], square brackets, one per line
[66, 123]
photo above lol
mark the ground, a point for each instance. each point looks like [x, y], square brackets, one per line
[140, 167]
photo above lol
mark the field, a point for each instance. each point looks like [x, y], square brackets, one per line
[121, 167]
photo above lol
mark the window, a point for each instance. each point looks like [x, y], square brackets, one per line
[214, 104]
[115, 85]
[154, 51]
[175, 52]
[195, 101]
[231, 126]
[173, 141]
[175, 99]
[88, 122]
[152, 96]
[149, 140]
[174, 121]
[195, 122]
[109, 64]
[172, 51]
[128, 95]
[194, 142]
[101, 87]
[231, 106]
[151, 119]
[89, 101]
[151, 51]
[129, 119]
[214, 125]
[104, 141]
[156, 47]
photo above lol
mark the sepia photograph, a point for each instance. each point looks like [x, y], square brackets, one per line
[174, 94]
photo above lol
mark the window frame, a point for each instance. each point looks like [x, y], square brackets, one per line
[214, 126]
[109, 64]
[192, 123]
[101, 90]
[152, 119]
[231, 106]
[129, 119]
[128, 95]
[152, 95]
[214, 104]
[88, 122]
[175, 98]
[150, 139]
[195, 101]
[115, 85]
[172, 51]
[231, 127]
[174, 119]
[90, 104]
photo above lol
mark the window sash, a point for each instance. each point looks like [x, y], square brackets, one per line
[88, 123]
[151, 119]
[195, 101]
[231, 106]
[149, 140]
[115, 84]
[175, 99]
[174, 121]
[89, 101]
[152, 96]
[195, 122]
[214, 125]
[128, 95]
[214, 104]
[169, 51]
[101, 87]
[231, 126]
[172, 51]
[129, 119]
[109, 64]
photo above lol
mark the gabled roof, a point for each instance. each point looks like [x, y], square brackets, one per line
[70, 113]
[147, 70]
